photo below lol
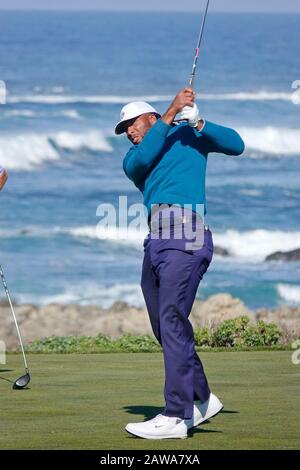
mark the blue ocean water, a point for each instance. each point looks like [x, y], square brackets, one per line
[68, 75]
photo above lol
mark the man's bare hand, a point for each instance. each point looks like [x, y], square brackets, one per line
[3, 177]
[184, 98]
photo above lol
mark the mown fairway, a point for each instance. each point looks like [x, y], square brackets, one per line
[83, 401]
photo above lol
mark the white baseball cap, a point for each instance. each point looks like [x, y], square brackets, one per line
[131, 111]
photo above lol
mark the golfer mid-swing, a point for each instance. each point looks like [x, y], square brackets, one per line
[167, 163]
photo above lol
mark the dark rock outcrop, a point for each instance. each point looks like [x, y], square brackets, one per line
[218, 250]
[293, 255]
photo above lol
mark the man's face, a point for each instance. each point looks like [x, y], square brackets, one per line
[137, 128]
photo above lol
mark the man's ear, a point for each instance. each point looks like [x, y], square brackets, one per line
[152, 119]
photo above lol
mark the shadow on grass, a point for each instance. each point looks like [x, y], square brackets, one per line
[151, 411]
[191, 433]
[198, 430]
[228, 411]
[4, 378]
[148, 411]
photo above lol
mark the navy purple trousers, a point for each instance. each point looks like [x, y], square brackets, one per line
[171, 274]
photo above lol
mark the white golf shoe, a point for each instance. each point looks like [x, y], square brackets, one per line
[204, 411]
[160, 427]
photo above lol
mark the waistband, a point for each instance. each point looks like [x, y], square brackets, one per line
[164, 215]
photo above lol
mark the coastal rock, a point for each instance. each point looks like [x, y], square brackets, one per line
[216, 309]
[293, 255]
[61, 320]
[218, 250]
[287, 318]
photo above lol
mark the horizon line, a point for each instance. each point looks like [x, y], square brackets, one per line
[82, 10]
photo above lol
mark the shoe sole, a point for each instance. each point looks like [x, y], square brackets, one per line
[149, 436]
[207, 417]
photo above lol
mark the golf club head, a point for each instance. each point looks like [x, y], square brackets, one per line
[21, 382]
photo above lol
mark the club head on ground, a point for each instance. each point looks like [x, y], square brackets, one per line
[21, 382]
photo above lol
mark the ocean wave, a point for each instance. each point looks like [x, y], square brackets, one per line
[251, 192]
[118, 99]
[20, 113]
[92, 99]
[27, 151]
[252, 246]
[289, 292]
[55, 89]
[31, 231]
[70, 113]
[250, 96]
[92, 293]
[119, 235]
[24, 152]
[255, 245]
[272, 140]
[93, 140]
[29, 113]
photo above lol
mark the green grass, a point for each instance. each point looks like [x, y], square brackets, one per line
[83, 401]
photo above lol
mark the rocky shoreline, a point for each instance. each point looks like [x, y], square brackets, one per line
[61, 320]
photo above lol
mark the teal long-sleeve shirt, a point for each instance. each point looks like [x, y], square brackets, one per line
[169, 164]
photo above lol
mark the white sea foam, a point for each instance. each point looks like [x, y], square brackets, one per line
[87, 292]
[27, 151]
[272, 140]
[92, 99]
[92, 140]
[255, 245]
[119, 235]
[20, 112]
[252, 245]
[70, 113]
[250, 96]
[118, 99]
[251, 192]
[54, 89]
[289, 292]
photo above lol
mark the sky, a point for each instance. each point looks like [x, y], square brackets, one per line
[275, 6]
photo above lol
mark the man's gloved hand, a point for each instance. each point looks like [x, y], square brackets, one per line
[191, 114]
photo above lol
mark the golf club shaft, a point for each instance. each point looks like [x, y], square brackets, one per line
[15, 319]
[198, 47]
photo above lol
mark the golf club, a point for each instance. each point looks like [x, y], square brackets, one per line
[24, 380]
[191, 82]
